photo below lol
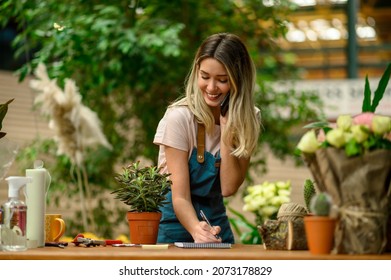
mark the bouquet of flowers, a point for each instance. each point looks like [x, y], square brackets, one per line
[351, 160]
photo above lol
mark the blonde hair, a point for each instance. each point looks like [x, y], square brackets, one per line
[243, 125]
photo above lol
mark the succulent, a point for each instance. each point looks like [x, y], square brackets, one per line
[321, 204]
[144, 189]
[309, 192]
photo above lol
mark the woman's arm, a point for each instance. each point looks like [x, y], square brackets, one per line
[177, 164]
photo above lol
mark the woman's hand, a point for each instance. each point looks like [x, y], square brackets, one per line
[206, 234]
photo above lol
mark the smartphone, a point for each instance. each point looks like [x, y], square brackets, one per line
[224, 105]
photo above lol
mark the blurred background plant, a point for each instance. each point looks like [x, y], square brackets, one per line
[76, 128]
[129, 60]
[8, 149]
[3, 113]
[263, 200]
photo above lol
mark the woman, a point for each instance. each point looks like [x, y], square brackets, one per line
[207, 153]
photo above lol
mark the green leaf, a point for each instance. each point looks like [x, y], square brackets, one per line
[242, 218]
[366, 104]
[352, 148]
[370, 142]
[379, 92]
[314, 125]
[297, 152]
[3, 111]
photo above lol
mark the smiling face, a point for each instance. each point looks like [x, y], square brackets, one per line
[213, 82]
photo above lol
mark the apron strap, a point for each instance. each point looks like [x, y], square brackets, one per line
[201, 143]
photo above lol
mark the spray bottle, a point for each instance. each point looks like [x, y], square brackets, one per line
[13, 230]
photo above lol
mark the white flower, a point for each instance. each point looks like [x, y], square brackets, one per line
[359, 133]
[344, 122]
[284, 193]
[336, 137]
[269, 190]
[267, 211]
[381, 124]
[281, 199]
[308, 143]
[250, 207]
[283, 185]
[265, 199]
[348, 135]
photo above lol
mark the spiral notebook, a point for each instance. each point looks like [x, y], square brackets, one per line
[193, 245]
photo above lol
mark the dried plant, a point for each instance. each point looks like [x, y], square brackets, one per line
[75, 126]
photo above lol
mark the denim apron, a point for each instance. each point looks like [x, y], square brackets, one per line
[205, 196]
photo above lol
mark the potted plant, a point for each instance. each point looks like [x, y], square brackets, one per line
[320, 226]
[144, 190]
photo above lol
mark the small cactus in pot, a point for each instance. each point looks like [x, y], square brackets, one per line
[320, 226]
[320, 204]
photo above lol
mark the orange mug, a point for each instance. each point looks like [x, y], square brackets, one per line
[54, 227]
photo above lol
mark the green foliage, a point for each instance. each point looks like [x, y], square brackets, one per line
[309, 192]
[321, 204]
[250, 234]
[3, 112]
[129, 60]
[144, 189]
[283, 113]
[367, 105]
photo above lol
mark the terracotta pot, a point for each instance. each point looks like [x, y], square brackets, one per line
[320, 233]
[143, 227]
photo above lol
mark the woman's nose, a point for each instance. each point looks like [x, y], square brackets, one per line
[211, 86]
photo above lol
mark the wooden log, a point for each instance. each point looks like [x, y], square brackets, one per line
[283, 235]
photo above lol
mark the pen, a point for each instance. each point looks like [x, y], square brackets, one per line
[207, 221]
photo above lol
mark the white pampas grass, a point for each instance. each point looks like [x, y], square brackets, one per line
[76, 126]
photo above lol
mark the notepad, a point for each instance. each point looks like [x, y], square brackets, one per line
[193, 245]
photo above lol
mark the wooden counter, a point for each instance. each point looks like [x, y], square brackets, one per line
[237, 252]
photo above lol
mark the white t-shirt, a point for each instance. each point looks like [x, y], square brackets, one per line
[178, 129]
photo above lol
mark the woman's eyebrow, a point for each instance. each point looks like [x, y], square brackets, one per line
[219, 75]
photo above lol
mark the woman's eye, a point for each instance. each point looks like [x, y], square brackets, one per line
[204, 77]
[223, 81]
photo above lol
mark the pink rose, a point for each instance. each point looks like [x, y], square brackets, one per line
[364, 119]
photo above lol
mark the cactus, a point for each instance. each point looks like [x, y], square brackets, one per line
[321, 204]
[309, 192]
